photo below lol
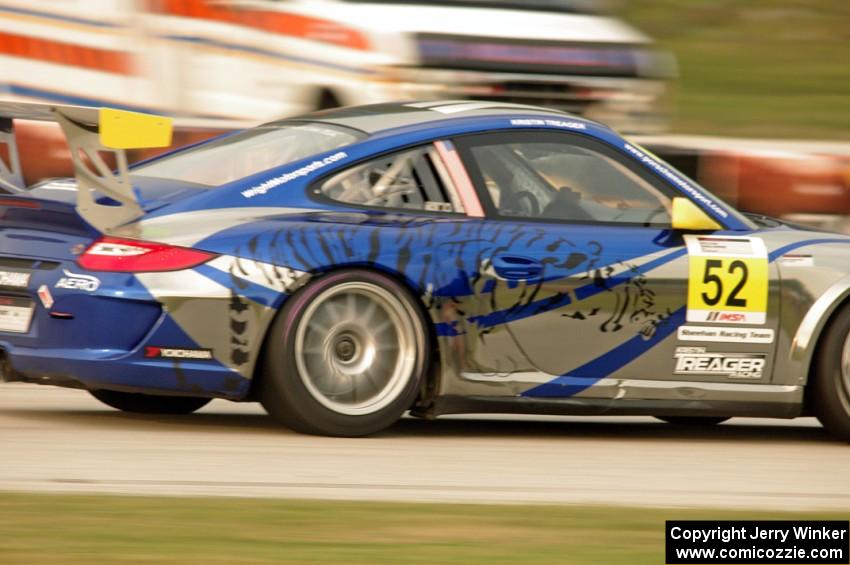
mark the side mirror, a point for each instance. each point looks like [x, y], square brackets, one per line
[120, 129]
[690, 217]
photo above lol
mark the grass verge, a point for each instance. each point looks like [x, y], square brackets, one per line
[766, 68]
[41, 528]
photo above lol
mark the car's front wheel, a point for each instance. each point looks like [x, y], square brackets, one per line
[150, 403]
[829, 393]
[345, 356]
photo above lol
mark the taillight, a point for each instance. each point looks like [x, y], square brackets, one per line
[134, 256]
[18, 203]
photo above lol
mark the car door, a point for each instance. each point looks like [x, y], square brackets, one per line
[415, 213]
[594, 283]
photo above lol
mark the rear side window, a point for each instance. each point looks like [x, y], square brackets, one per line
[410, 180]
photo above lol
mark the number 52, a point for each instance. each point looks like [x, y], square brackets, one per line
[735, 275]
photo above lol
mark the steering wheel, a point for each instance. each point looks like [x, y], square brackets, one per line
[525, 205]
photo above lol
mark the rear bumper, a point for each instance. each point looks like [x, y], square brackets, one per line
[194, 332]
[113, 337]
[120, 370]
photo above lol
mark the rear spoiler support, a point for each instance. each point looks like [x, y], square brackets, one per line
[11, 176]
[91, 133]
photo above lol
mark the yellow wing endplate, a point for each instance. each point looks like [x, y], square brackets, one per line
[117, 129]
[122, 129]
[92, 134]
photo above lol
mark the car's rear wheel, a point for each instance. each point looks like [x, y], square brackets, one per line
[150, 403]
[345, 356]
[829, 395]
[693, 420]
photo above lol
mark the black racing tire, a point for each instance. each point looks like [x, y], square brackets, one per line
[693, 420]
[828, 396]
[322, 373]
[150, 403]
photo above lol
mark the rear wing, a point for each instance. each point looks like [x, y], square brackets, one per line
[92, 134]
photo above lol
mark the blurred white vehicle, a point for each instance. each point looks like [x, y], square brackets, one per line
[220, 64]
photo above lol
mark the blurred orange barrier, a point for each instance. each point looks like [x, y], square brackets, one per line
[780, 184]
[44, 153]
[801, 181]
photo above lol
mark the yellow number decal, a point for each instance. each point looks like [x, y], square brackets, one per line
[729, 289]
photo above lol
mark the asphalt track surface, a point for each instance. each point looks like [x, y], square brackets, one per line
[61, 440]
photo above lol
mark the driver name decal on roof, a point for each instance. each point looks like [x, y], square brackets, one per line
[548, 122]
[266, 186]
[727, 279]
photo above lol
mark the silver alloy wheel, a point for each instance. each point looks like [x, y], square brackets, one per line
[356, 348]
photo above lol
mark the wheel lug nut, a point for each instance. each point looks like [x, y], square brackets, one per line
[345, 349]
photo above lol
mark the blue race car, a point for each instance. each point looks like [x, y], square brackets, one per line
[350, 265]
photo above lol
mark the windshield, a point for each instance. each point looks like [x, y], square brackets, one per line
[249, 152]
[659, 166]
[569, 6]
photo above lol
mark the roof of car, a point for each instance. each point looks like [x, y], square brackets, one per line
[373, 118]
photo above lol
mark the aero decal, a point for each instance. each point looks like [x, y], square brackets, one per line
[76, 281]
[460, 179]
[727, 279]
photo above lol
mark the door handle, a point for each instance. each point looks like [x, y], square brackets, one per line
[511, 267]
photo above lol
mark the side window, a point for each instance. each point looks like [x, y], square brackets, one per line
[410, 180]
[559, 177]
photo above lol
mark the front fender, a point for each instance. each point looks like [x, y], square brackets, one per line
[809, 331]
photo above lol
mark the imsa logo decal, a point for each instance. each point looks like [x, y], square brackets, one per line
[697, 361]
